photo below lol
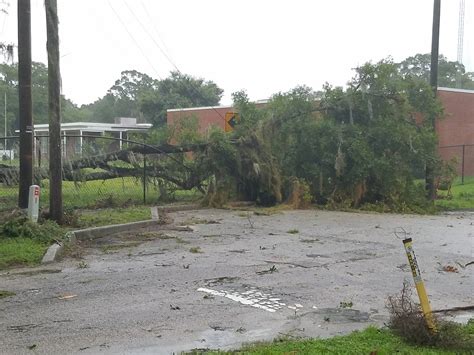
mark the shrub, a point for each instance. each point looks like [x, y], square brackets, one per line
[408, 322]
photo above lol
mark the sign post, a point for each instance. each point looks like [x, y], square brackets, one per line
[33, 203]
[420, 286]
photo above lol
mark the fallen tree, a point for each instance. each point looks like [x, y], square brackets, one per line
[161, 165]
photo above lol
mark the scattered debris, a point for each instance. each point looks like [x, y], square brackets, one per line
[218, 328]
[293, 231]
[449, 268]
[250, 221]
[195, 250]
[220, 280]
[208, 297]
[22, 328]
[346, 304]
[82, 265]
[31, 347]
[5, 294]
[67, 296]
[269, 271]
[174, 308]
[184, 228]
[186, 266]
[240, 251]
[240, 330]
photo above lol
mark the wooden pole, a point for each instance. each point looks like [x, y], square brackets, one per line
[25, 103]
[429, 179]
[54, 94]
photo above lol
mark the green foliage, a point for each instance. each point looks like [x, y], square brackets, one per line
[21, 227]
[177, 91]
[362, 145]
[39, 79]
[449, 72]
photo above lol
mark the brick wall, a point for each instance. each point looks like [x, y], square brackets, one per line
[456, 128]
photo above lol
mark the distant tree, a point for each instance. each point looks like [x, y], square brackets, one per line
[449, 72]
[39, 78]
[177, 91]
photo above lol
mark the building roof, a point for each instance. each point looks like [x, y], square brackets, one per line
[465, 91]
[211, 107]
[95, 127]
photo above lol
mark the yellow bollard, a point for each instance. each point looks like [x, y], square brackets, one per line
[420, 286]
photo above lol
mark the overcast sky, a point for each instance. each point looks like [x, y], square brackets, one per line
[262, 46]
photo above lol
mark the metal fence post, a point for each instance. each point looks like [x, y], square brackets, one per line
[462, 166]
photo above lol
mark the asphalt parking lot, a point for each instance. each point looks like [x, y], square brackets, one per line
[237, 277]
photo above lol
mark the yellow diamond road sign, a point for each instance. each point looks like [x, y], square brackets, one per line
[231, 120]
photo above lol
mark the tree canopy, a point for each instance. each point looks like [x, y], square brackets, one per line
[138, 95]
[451, 74]
[39, 79]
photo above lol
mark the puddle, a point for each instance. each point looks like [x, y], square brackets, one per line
[342, 315]
[461, 317]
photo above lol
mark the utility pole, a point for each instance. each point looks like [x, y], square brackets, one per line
[54, 94]
[5, 113]
[25, 105]
[429, 177]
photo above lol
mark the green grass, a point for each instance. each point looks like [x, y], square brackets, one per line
[360, 342]
[97, 194]
[20, 251]
[107, 216]
[463, 196]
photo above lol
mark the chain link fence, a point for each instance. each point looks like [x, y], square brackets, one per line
[463, 158]
[95, 175]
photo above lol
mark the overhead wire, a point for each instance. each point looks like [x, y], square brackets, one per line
[134, 40]
[167, 56]
[150, 20]
[149, 35]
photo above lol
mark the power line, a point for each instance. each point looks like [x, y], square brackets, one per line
[154, 27]
[133, 39]
[149, 35]
[166, 56]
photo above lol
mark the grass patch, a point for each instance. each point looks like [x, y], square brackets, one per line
[293, 231]
[195, 250]
[371, 340]
[98, 194]
[21, 251]
[5, 294]
[462, 196]
[24, 243]
[108, 216]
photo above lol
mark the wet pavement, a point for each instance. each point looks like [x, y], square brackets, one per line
[239, 277]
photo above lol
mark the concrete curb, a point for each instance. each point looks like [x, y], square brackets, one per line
[56, 249]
